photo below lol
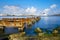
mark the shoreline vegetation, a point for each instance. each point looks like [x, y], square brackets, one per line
[40, 35]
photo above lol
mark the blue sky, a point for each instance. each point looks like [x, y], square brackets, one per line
[27, 3]
[38, 4]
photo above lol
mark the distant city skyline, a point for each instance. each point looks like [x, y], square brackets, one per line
[30, 7]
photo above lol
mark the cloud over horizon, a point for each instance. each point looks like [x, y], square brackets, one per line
[53, 6]
[27, 11]
[31, 10]
[14, 10]
[47, 10]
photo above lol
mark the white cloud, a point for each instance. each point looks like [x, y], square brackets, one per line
[53, 6]
[46, 10]
[12, 10]
[31, 10]
[18, 11]
[28, 11]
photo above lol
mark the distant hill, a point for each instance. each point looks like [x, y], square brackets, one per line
[56, 15]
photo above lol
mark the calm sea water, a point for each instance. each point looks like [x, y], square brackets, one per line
[46, 23]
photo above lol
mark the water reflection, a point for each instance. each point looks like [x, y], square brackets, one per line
[45, 20]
